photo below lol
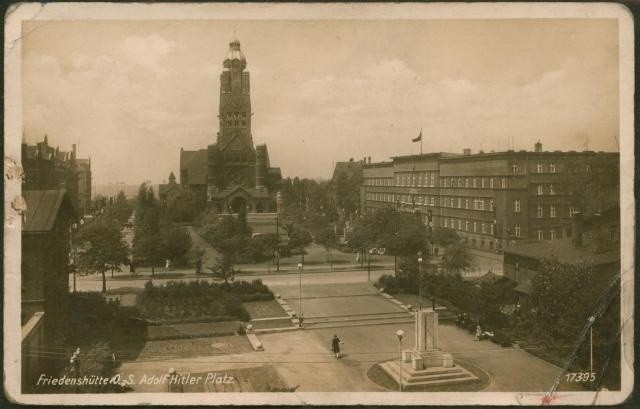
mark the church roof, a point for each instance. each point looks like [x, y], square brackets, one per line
[348, 168]
[195, 163]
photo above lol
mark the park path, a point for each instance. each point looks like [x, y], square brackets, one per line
[210, 254]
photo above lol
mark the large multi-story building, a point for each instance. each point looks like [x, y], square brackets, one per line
[48, 168]
[238, 174]
[491, 199]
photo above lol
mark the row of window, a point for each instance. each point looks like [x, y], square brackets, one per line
[469, 225]
[474, 182]
[553, 210]
[543, 189]
[430, 200]
[540, 168]
[379, 182]
[237, 119]
[473, 203]
[541, 234]
[242, 124]
[425, 179]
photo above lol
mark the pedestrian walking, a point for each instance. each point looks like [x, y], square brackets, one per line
[478, 332]
[301, 320]
[335, 346]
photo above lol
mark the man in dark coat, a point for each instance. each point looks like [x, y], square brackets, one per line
[335, 346]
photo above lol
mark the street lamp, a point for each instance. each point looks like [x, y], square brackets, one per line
[419, 280]
[369, 265]
[400, 335]
[300, 286]
[74, 254]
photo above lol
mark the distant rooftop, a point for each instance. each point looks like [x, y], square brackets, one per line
[564, 251]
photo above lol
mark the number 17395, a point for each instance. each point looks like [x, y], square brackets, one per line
[580, 376]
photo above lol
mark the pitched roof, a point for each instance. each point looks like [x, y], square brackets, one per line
[564, 251]
[43, 207]
[349, 168]
[195, 163]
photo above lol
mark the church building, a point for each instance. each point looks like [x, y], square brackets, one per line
[238, 173]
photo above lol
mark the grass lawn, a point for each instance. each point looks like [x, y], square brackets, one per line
[188, 348]
[192, 330]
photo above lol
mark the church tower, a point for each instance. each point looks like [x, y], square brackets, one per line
[238, 174]
[235, 100]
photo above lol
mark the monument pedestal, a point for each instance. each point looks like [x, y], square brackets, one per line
[426, 364]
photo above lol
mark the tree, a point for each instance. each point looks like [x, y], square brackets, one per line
[175, 244]
[457, 258]
[327, 238]
[347, 192]
[224, 269]
[400, 233]
[196, 254]
[444, 237]
[147, 242]
[491, 296]
[300, 238]
[181, 205]
[101, 248]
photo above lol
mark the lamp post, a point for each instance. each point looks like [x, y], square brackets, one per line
[400, 335]
[277, 254]
[74, 254]
[300, 286]
[369, 265]
[419, 279]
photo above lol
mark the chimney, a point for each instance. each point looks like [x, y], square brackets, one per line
[576, 234]
[466, 151]
[73, 157]
[369, 158]
[537, 146]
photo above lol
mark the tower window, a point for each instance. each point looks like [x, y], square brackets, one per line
[244, 123]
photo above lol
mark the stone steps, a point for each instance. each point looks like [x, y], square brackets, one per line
[356, 317]
[429, 376]
[358, 322]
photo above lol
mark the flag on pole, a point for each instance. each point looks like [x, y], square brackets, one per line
[419, 138]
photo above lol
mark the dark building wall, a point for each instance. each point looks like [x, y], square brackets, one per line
[45, 274]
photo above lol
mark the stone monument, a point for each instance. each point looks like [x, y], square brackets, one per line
[426, 363]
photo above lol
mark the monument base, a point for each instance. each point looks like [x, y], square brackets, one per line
[428, 376]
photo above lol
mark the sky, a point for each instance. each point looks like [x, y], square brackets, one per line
[130, 94]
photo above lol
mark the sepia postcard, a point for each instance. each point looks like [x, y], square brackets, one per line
[327, 204]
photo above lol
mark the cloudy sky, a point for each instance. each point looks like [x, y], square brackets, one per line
[131, 94]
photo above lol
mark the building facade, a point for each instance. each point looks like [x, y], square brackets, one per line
[46, 245]
[493, 200]
[238, 173]
[46, 168]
